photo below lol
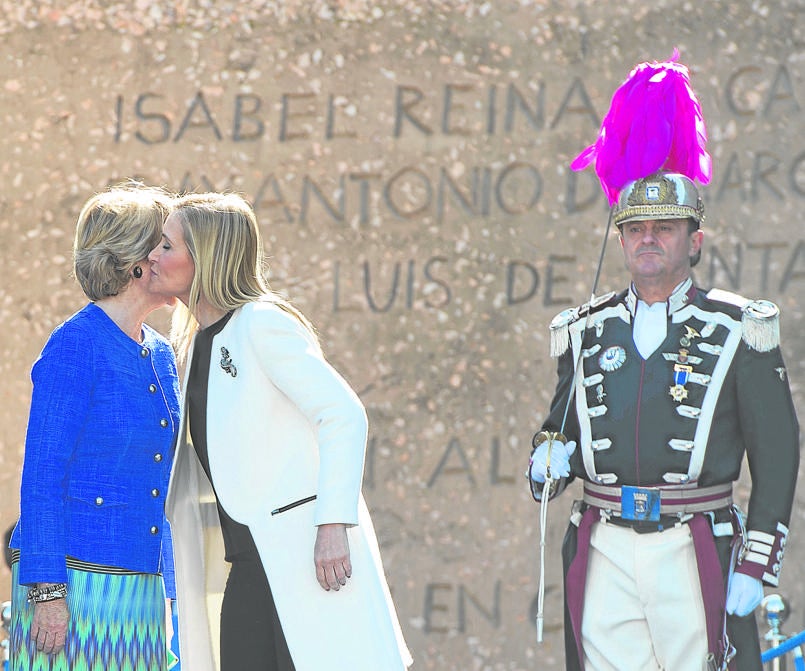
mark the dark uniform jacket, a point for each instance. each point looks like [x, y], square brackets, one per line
[715, 390]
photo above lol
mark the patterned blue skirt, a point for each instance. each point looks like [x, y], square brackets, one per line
[117, 623]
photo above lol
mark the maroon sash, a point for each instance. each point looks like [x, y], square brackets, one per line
[711, 579]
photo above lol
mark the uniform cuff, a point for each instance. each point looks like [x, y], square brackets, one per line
[763, 555]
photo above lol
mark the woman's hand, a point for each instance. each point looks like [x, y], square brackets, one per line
[331, 556]
[49, 628]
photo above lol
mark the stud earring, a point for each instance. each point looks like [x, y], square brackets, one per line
[137, 272]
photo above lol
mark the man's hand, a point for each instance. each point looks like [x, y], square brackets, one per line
[560, 459]
[49, 628]
[331, 556]
[745, 594]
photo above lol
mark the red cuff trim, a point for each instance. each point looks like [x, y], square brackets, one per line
[762, 556]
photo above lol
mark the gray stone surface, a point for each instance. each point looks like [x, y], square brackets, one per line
[408, 162]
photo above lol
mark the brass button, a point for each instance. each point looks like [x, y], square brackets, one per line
[152, 388]
[99, 501]
[157, 457]
[154, 531]
[163, 423]
[154, 492]
[144, 352]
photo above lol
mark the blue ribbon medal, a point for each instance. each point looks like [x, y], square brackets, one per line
[681, 374]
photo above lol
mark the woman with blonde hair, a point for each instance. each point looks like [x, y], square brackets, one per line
[278, 437]
[92, 544]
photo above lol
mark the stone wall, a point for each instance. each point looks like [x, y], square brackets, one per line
[408, 163]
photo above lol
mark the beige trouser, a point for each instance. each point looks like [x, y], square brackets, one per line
[642, 603]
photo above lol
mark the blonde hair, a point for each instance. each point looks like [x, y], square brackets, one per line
[223, 238]
[116, 230]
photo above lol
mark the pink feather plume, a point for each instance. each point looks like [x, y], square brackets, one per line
[654, 122]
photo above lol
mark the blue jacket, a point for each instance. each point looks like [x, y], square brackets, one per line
[98, 452]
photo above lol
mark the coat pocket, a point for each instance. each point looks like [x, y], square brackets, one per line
[293, 504]
[98, 494]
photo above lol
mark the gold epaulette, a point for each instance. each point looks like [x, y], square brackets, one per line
[760, 320]
[560, 324]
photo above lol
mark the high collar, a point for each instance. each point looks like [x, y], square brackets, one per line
[679, 298]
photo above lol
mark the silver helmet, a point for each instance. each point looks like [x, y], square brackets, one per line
[663, 195]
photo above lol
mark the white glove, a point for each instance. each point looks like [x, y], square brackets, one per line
[560, 460]
[745, 594]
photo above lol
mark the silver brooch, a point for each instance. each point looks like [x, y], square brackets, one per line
[226, 363]
[612, 358]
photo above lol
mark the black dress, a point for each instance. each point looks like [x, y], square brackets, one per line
[251, 633]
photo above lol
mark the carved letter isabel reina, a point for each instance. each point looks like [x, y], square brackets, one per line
[152, 118]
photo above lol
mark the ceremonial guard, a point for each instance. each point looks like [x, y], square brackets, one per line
[662, 390]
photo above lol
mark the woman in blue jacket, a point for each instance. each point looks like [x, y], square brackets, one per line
[92, 545]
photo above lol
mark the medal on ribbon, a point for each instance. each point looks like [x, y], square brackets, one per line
[681, 374]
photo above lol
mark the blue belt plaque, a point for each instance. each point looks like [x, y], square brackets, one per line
[640, 503]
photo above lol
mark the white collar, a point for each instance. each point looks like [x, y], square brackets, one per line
[679, 298]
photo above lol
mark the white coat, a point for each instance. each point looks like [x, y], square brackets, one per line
[285, 427]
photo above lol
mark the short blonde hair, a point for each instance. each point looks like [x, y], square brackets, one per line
[223, 238]
[116, 230]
